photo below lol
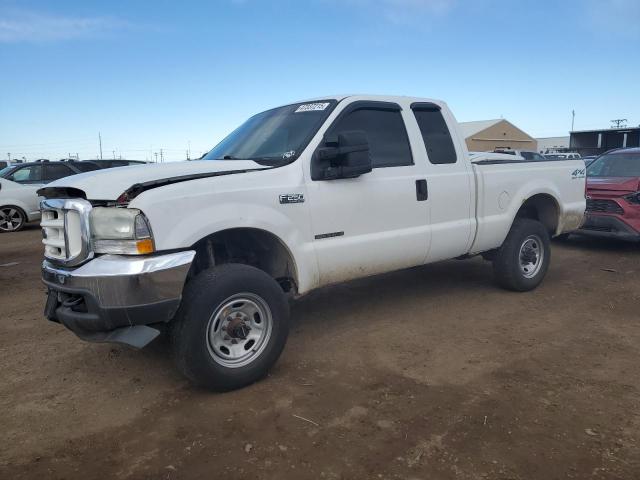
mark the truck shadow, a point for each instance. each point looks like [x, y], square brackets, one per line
[599, 244]
[392, 293]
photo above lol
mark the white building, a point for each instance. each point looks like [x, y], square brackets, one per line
[552, 144]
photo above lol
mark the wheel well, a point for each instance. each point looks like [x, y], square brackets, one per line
[249, 246]
[541, 207]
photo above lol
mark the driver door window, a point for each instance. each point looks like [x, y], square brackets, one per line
[386, 134]
[27, 175]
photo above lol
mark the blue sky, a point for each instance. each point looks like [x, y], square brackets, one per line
[169, 74]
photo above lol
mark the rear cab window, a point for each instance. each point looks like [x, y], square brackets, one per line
[435, 133]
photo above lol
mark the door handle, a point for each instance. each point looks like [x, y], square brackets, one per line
[422, 190]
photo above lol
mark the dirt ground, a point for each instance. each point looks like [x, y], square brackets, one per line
[428, 373]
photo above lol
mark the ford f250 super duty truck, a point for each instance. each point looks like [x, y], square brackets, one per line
[298, 197]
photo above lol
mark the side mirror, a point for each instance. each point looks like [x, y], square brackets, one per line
[346, 156]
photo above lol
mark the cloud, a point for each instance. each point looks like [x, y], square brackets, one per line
[26, 26]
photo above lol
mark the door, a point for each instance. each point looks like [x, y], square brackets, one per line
[451, 184]
[375, 222]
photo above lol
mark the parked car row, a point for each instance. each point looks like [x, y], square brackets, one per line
[19, 203]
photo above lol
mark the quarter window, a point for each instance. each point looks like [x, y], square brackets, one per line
[386, 134]
[435, 134]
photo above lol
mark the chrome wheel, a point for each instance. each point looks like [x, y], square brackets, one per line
[531, 256]
[239, 330]
[11, 219]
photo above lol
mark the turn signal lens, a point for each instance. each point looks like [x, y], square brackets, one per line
[145, 246]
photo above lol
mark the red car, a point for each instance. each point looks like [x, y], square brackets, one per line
[613, 195]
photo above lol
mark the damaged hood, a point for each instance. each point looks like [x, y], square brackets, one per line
[110, 183]
[614, 185]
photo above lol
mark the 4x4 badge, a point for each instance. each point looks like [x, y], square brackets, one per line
[292, 198]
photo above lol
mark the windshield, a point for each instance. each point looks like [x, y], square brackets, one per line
[615, 165]
[274, 137]
[5, 170]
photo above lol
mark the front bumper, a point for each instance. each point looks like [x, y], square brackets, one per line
[608, 226]
[114, 298]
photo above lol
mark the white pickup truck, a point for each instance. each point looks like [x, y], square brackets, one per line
[298, 197]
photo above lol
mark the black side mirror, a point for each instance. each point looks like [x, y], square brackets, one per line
[346, 156]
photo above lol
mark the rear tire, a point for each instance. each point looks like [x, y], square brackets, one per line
[522, 261]
[231, 327]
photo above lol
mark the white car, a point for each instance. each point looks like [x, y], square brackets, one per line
[19, 204]
[299, 197]
[563, 156]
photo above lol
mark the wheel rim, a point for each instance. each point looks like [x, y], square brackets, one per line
[10, 219]
[239, 330]
[531, 256]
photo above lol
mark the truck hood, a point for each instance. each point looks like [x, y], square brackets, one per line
[615, 185]
[110, 183]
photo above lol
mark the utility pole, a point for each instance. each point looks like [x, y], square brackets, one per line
[156, 154]
[100, 142]
[189, 150]
[619, 123]
[9, 155]
[573, 118]
[161, 156]
[114, 154]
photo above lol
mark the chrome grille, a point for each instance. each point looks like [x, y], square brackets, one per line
[65, 230]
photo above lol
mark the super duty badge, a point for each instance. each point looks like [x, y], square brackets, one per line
[292, 198]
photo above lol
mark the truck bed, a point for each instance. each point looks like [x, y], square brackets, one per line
[500, 192]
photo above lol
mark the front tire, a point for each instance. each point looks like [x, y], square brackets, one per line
[12, 219]
[522, 261]
[231, 327]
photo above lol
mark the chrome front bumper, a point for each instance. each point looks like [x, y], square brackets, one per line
[115, 298]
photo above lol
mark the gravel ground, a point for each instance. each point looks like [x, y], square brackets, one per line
[428, 373]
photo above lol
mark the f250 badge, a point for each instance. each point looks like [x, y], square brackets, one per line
[579, 173]
[292, 198]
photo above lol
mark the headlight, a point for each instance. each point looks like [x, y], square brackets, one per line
[122, 231]
[633, 198]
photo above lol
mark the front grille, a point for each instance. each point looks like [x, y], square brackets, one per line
[65, 230]
[603, 206]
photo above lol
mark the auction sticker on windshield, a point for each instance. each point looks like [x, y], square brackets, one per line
[312, 107]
